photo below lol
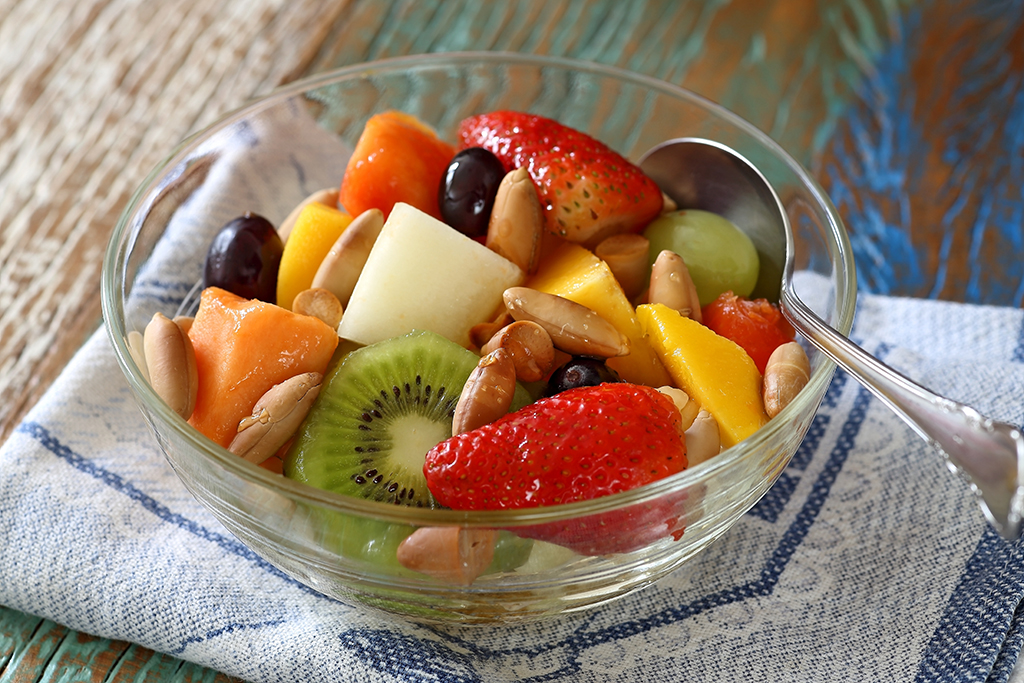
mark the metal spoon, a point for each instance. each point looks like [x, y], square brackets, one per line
[702, 174]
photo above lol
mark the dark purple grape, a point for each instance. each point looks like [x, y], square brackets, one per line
[467, 190]
[580, 371]
[243, 258]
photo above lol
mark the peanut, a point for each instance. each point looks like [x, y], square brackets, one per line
[688, 408]
[276, 417]
[137, 349]
[171, 364]
[481, 333]
[344, 262]
[703, 440]
[668, 205]
[487, 394]
[319, 303]
[672, 285]
[627, 256]
[451, 554]
[574, 328]
[787, 372]
[530, 347]
[184, 322]
[517, 221]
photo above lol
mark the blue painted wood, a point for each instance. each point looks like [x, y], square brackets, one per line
[927, 165]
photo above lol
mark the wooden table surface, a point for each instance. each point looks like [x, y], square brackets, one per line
[911, 114]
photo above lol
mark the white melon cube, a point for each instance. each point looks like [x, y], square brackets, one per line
[424, 275]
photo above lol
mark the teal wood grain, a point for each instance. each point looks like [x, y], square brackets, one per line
[790, 67]
[926, 165]
[79, 656]
[34, 649]
[33, 643]
[16, 630]
[908, 111]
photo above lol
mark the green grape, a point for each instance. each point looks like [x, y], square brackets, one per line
[719, 255]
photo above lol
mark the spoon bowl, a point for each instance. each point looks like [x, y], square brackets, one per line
[989, 455]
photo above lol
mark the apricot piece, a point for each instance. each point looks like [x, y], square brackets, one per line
[316, 230]
[397, 158]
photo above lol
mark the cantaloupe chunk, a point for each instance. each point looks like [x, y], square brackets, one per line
[243, 348]
[713, 370]
[575, 273]
[316, 230]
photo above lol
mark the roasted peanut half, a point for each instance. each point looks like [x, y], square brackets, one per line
[627, 256]
[184, 322]
[688, 408]
[703, 440]
[517, 221]
[276, 417]
[481, 333]
[171, 364]
[137, 349]
[575, 329]
[341, 267]
[319, 303]
[672, 285]
[787, 372]
[451, 554]
[328, 196]
[668, 205]
[487, 394]
[530, 346]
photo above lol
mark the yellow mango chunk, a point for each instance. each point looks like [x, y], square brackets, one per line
[575, 273]
[713, 370]
[316, 230]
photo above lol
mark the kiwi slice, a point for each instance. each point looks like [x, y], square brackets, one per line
[379, 411]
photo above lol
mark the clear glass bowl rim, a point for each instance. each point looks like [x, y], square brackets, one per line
[115, 261]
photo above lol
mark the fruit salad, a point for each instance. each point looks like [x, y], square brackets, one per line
[514, 318]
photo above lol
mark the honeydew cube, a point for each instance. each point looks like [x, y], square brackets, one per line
[424, 275]
[713, 370]
[575, 273]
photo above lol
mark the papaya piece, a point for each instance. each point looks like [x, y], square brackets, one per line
[243, 348]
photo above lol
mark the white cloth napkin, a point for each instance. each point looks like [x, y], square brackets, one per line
[867, 561]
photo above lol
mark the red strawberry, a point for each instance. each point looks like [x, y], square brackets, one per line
[588, 191]
[577, 445]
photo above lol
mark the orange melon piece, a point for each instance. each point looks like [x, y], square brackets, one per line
[243, 348]
[397, 158]
[713, 370]
[575, 273]
[316, 230]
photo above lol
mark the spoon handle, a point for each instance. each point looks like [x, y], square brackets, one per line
[989, 454]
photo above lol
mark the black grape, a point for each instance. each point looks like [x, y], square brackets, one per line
[243, 258]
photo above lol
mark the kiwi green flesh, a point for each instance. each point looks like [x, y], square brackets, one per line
[380, 410]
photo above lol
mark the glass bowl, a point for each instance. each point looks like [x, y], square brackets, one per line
[269, 155]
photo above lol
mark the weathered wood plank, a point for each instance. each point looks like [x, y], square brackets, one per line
[16, 630]
[92, 95]
[32, 653]
[926, 163]
[81, 657]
